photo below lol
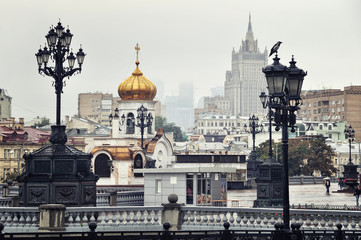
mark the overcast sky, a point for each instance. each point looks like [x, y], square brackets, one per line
[185, 40]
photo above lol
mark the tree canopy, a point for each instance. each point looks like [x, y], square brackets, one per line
[161, 122]
[305, 156]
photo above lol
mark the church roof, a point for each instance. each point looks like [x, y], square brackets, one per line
[137, 86]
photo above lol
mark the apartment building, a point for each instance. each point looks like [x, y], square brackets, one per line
[333, 105]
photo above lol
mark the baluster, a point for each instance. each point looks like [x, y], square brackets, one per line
[127, 219]
[8, 220]
[205, 218]
[71, 220]
[338, 220]
[27, 220]
[315, 223]
[224, 219]
[84, 220]
[245, 221]
[231, 218]
[308, 222]
[185, 218]
[156, 218]
[330, 223]
[258, 221]
[15, 222]
[218, 219]
[92, 217]
[114, 218]
[353, 224]
[265, 222]
[131, 216]
[192, 218]
[272, 221]
[141, 217]
[238, 219]
[21, 221]
[322, 223]
[211, 219]
[251, 221]
[345, 224]
[136, 217]
[198, 217]
[121, 218]
[106, 218]
[34, 221]
[77, 220]
[300, 220]
[149, 217]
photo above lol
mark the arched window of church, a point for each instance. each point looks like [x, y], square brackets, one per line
[130, 124]
[138, 163]
[101, 165]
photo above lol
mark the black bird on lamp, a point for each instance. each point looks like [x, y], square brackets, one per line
[275, 48]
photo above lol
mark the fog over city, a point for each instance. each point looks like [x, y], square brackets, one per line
[179, 41]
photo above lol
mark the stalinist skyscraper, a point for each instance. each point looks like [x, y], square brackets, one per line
[245, 82]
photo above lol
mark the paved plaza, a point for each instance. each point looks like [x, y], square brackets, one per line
[300, 194]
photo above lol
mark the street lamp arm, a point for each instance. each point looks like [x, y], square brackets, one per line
[71, 72]
[47, 71]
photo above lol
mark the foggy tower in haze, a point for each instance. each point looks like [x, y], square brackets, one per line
[245, 82]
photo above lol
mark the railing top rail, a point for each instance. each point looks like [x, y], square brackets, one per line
[19, 209]
[113, 208]
[266, 211]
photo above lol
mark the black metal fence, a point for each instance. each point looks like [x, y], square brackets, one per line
[166, 234]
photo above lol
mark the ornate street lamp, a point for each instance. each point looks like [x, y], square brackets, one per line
[58, 173]
[266, 102]
[284, 87]
[350, 134]
[144, 120]
[58, 50]
[253, 128]
[116, 117]
[252, 164]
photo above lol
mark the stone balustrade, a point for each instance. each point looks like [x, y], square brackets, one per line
[114, 218]
[263, 218]
[128, 218]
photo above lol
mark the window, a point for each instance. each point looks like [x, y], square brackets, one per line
[130, 124]
[7, 153]
[101, 165]
[158, 186]
[204, 189]
[189, 188]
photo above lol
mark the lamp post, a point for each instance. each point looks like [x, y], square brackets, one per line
[266, 102]
[350, 134]
[116, 117]
[253, 128]
[144, 120]
[252, 164]
[58, 50]
[284, 87]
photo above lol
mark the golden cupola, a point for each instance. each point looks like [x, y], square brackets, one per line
[137, 87]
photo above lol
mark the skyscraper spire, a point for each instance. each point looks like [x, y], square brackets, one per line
[249, 23]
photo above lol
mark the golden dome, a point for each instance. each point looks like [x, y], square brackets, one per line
[137, 87]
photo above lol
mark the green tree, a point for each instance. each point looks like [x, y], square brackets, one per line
[297, 152]
[161, 122]
[319, 158]
[304, 156]
[263, 149]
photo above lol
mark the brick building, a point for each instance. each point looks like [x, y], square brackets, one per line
[334, 105]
